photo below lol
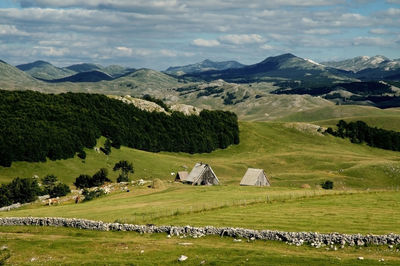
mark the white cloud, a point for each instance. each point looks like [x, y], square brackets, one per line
[205, 43]
[51, 51]
[139, 31]
[124, 50]
[371, 41]
[11, 30]
[393, 1]
[321, 31]
[393, 11]
[379, 31]
[267, 47]
[241, 38]
[168, 53]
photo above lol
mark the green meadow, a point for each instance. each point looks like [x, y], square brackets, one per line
[54, 246]
[290, 156]
[365, 199]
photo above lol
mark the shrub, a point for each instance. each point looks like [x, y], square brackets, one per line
[327, 184]
[89, 195]
[83, 181]
[98, 179]
[82, 155]
[24, 190]
[53, 187]
[20, 190]
[4, 256]
[126, 168]
[59, 190]
[122, 178]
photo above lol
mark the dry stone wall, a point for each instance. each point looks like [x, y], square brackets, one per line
[296, 238]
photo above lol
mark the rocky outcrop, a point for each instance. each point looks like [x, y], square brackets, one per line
[297, 238]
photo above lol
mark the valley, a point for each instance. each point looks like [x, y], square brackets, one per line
[282, 133]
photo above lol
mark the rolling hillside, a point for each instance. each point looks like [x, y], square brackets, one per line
[202, 66]
[278, 69]
[292, 154]
[13, 78]
[370, 68]
[45, 71]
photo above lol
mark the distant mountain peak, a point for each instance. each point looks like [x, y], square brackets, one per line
[280, 58]
[360, 63]
[29, 66]
[206, 61]
[205, 65]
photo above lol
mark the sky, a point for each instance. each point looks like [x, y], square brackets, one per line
[161, 33]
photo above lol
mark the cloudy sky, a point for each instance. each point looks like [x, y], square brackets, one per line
[162, 33]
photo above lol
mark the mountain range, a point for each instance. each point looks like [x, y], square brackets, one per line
[45, 71]
[202, 66]
[283, 69]
[266, 90]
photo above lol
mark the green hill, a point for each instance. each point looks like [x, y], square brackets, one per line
[13, 78]
[292, 155]
[45, 70]
[336, 112]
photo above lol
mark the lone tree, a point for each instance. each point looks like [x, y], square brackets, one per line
[126, 168]
[328, 184]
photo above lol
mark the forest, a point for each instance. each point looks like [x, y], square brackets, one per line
[360, 132]
[36, 126]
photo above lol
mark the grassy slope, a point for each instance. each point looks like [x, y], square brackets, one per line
[115, 248]
[257, 208]
[336, 112]
[289, 156]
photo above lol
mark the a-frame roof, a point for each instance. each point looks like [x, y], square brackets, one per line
[254, 177]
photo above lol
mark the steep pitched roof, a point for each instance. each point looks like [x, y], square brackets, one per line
[198, 173]
[182, 176]
[254, 177]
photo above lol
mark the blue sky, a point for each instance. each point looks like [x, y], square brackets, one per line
[162, 33]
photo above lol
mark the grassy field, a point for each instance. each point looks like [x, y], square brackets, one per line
[365, 200]
[337, 112]
[364, 212]
[290, 156]
[38, 246]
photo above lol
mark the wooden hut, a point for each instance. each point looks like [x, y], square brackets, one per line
[202, 174]
[255, 177]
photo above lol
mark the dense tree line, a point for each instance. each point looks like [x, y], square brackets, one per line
[36, 126]
[360, 88]
[360, 132]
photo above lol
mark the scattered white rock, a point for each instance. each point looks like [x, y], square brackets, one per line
[33, 259]
[185, 244]
[382, 260]
[168, 236]
[237, 240]
[142, 251]
[360, 258]
[182, 258]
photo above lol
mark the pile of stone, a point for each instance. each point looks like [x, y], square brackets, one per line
[11, 207]
[295, 238]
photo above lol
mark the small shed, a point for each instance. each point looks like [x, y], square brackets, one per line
[202, 174]
[255, 177]
[181, 176]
